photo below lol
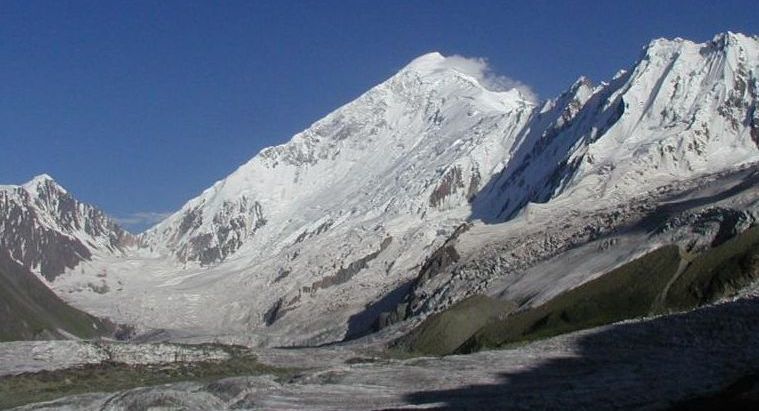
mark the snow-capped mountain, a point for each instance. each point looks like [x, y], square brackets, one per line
[429, 138]
[309, 241]
[330, 221]
[684, 109]
[47, 230]
[601, 159]
[422, 142]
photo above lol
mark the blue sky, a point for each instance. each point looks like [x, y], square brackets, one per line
[138, 106]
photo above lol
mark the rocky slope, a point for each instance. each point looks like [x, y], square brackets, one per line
[532, 258]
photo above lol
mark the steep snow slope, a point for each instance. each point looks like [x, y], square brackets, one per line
[422, 142]
[47, 230]
[309, 232]
[685, 109]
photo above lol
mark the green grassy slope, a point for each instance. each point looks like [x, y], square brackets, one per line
[30, 310]
[443, 332]
[653, 284]
[626, 292]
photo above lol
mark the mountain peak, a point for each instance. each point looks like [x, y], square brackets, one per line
[436, 63]
[581, 82]
[427, 62]
[728, 37]
[41, 180]
[664, 47]
[433, 66]
[729, 40]
[721, 41]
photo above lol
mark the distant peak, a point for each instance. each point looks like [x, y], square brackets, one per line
[662, 44]
[619, 74]
[729, 38]
[582, 81]
[720, 41]
[41, 180]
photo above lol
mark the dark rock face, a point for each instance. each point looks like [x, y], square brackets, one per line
[730, 223]
[754, 123]
[232, 224]
[344, 274]
[273, 313]
[43, 227]
[450, 183]
[323, 228]
[442, 258]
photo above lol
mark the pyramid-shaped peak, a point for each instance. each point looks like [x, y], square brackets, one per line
[42, 180]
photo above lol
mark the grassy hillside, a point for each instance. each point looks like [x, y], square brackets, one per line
[626, 292]
[30, 310]
[653, 284]
[444, 332]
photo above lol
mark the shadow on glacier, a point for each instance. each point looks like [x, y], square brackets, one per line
[510, 190]
[367, 321]
[488, 207]
[749, 179]
[668, 362]
[492, 205]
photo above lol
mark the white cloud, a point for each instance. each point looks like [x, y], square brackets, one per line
[479, 68]
[141, 219]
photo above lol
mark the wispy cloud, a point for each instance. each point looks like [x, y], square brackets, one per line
[141, 220]
[479, 68]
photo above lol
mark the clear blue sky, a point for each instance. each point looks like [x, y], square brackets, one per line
[139, 106]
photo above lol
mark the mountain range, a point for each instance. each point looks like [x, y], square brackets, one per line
[433, 186]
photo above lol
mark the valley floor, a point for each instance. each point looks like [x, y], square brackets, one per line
[656, 363]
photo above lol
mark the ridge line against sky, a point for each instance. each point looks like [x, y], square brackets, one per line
[138, 107]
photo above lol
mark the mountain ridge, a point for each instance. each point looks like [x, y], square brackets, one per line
[609, 99]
